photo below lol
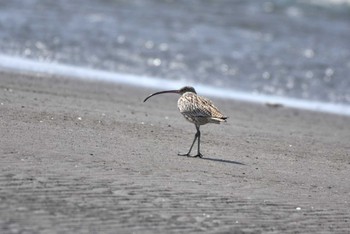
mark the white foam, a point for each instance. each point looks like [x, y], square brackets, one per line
[29, 66]
[328, 2]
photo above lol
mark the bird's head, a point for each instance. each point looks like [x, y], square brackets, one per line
[187, 89]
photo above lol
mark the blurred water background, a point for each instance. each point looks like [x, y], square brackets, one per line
[285, 48]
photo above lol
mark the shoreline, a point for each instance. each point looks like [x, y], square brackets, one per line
[27, 66]
[89, 156]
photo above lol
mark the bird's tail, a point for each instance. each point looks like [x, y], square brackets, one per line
[218, 120]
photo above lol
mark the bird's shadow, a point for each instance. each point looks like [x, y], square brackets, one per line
[216, 160]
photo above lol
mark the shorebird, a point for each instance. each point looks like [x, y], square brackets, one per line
[197, 110]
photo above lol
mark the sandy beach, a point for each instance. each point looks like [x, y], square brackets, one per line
[88, 157]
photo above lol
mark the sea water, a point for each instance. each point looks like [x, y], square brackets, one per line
[295, 53]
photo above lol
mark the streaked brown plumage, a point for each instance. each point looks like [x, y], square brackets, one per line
[196, 109]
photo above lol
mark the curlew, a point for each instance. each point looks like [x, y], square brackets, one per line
[197, 110]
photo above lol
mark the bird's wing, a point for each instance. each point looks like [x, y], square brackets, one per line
[198, 106]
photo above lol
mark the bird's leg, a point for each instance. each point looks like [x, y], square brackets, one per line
[199, 142]
[188, 154]
[197, 135]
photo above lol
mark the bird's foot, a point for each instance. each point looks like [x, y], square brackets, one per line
[199, 155]
[188, 154]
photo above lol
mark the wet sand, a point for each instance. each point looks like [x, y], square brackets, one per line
[80, 156]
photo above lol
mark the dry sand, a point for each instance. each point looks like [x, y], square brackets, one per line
[90, 157]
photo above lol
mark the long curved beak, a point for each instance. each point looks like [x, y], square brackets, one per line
[168, 91]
